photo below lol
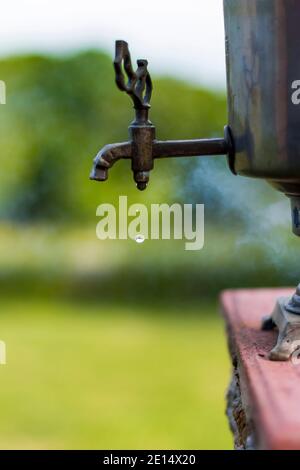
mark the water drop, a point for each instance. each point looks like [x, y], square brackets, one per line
[140, 238]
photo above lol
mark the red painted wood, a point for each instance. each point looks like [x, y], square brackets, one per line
[271, 390]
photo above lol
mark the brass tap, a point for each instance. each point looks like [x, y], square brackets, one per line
[142, 147]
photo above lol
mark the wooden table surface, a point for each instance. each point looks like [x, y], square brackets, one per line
[270, 390]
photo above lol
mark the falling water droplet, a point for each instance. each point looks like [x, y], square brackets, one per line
[140, 238]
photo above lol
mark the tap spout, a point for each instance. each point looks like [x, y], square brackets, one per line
[197, 147]
[106, 158]
[189, 148]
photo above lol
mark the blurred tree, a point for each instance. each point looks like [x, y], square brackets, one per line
[61, 111]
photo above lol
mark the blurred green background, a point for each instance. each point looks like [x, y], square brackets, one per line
[114, 344]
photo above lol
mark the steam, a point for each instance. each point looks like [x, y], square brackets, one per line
[249, 207]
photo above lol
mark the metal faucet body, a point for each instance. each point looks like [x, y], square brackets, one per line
[142, 148]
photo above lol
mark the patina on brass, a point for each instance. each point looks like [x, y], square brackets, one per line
[263, 69]
[143, 148]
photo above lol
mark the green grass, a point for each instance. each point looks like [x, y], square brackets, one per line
[107, 376]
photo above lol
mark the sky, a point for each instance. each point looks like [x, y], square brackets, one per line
[180, 38]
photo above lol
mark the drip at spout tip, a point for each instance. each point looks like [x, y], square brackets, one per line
[141, 185]
[141, 178]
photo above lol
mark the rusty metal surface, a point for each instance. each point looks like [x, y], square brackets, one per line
[262, 58]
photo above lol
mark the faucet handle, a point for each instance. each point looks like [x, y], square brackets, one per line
[139, 84]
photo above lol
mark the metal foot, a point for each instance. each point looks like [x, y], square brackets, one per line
[288, 325]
